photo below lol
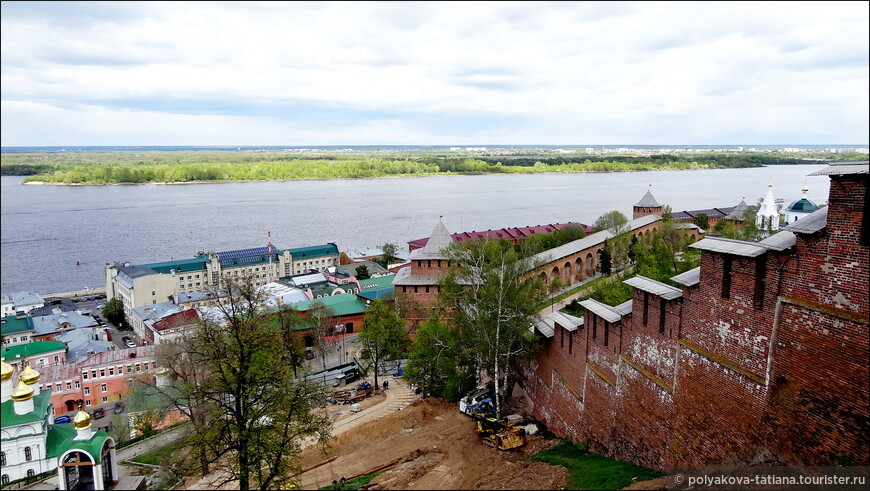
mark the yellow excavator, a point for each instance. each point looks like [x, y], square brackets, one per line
[499, 434]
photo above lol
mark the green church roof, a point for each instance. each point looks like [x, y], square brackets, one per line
[41, 402]
[61, 438]
[803, 205]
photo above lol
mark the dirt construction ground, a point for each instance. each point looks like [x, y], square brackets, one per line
[438, 448]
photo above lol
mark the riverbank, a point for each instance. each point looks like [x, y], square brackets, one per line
[394, 176]
[98, 168]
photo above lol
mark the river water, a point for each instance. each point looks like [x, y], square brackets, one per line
[46, 229]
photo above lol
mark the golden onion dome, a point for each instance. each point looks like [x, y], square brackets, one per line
[29, 376]
[7, 371]
[22, 392]
[162, 372]
[82, 420]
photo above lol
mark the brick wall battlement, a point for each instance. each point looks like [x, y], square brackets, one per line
[766, 358]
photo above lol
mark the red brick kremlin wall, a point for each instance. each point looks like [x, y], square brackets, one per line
[773, 368]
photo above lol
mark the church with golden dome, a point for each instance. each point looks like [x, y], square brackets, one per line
[33, 444]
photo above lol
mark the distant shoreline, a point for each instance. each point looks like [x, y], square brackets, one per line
[440, 174]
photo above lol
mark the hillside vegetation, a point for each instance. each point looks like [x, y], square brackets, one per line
[135, 167]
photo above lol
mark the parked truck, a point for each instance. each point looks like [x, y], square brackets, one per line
[351, 396]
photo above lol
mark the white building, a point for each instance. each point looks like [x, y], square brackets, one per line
[800, 208]
[33, 444]
[768, 214]
[20, 302]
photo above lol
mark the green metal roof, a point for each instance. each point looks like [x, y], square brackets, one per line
[803, 205]
[314, 251]
[11, 325]
[30, 349]
[379, 283]
[341, 304]
[41, 402]
[61, 438]
[180, 266]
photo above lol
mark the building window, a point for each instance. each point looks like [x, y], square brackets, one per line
[4, 479]
[78, 385]
[69, 386]
[3, 458]
[146, 365]
[111, 371]
[58, 387]
[56, 360]
[28, 455]
[87, 391]
[103, 388]
[105, 399]
[85, 375]
[102, 372]
[138, 367]
[153, 293]
[88, 403]
[30, 473]
[93, 374]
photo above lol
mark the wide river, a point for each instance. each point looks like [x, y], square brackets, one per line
[47, 229]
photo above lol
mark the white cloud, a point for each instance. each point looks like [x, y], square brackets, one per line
[576, 72]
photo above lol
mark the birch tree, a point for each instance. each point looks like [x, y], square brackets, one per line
[493, 298]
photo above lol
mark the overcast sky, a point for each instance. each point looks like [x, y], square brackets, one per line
[565, 73]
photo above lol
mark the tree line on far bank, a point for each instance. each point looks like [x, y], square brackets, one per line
[97, 168]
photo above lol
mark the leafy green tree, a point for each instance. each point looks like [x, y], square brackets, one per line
[604, 259]
[435, 360]
[702, 220]
[146, 422]
[614, 221]
[388, 253]
[113, 311]
[362, 272]
[383, 338]
[494, 303]
[236, 367]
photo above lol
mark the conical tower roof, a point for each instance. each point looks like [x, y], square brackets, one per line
[738, 211]
[439, 240]
[648, 201]
[768, 206]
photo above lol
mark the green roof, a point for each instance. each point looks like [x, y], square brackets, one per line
[62, 438]
[803, 205]
[41, 403]
[379, 283]
[341, 304]
[30, 349]
[180, 266]
[12, 325]
[314, 251]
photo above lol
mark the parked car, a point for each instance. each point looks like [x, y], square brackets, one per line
[119, 407]
[62, 419]
[309, 355]
[130, 344]
[99, 413]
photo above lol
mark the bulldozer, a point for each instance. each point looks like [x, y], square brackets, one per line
[499, 434]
